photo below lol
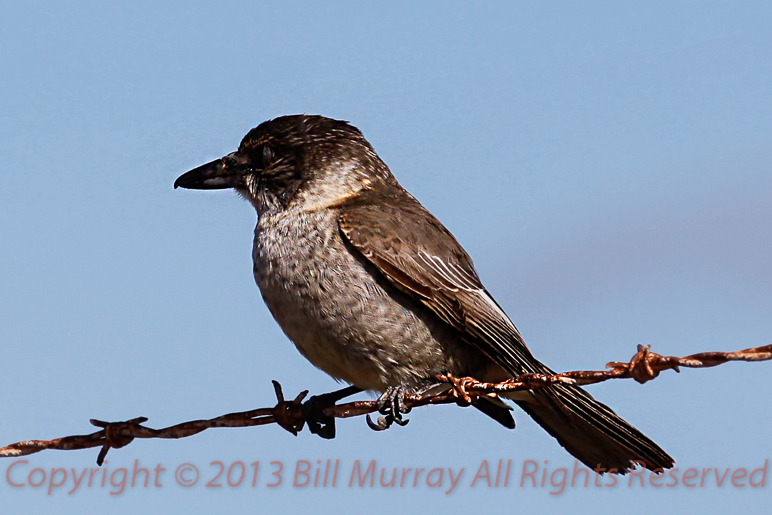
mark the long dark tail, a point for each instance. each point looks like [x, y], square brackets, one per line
[591, 432]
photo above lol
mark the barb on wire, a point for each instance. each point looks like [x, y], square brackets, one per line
[290, 415]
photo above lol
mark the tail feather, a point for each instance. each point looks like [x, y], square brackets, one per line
[498, 411]
[591, 432]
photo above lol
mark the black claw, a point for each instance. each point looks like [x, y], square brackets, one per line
[401, 422]
[381, 425]
[319, 423]
[392, 405]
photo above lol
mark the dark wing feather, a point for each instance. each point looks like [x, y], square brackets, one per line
[416, 253]
[420, 256]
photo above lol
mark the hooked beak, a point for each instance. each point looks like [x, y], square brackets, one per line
[226, 172]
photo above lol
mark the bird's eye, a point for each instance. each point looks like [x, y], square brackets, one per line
[268, 155]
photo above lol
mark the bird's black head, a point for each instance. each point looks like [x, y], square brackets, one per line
[294, 159]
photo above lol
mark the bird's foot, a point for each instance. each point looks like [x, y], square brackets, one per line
[313, 411]
[392, 405]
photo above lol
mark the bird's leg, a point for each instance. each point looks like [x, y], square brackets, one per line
[319, 423]
[392, 405]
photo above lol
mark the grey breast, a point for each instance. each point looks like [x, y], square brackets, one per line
[342, 315]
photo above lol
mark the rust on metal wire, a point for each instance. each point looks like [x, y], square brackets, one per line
[643, 367]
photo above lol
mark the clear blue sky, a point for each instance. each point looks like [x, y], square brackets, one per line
[608, 167]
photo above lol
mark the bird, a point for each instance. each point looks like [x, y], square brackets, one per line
[374, 290]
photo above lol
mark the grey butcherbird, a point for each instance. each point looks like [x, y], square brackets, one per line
[375, 291]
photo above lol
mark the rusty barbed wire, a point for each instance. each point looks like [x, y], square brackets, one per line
[644, 366]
